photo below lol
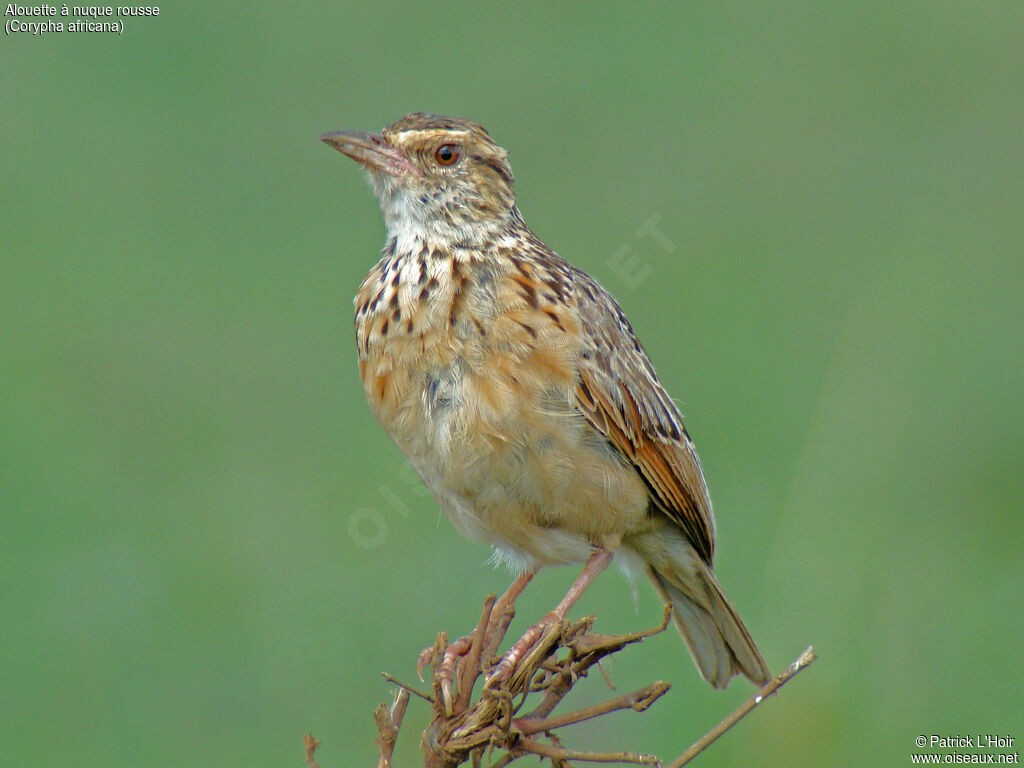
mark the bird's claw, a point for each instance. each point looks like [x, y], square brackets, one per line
[446, 697]
[445, 671]
[425, 658]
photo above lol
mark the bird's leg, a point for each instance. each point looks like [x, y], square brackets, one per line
[446, 670]
[596, 563]
[507, 602]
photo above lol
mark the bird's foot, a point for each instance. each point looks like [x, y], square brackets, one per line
[504, 669]
[447, 668]
[596, 563]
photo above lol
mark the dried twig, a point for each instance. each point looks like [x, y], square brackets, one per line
[476, 648]
[388, 723]
[464, 730]
[411, 689]
[491, 728]
[536, 748]
[310, 744]
[802, 662]
[638, 701]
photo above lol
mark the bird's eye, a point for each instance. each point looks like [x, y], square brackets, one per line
[446, 154]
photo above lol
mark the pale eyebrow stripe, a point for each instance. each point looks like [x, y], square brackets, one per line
[433, 131]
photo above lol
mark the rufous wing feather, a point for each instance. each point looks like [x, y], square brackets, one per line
[620, 396]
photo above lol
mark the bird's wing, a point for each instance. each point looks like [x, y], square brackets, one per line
[620, 395]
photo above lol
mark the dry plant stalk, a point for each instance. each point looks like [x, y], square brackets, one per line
[496, 720]
[495, 726]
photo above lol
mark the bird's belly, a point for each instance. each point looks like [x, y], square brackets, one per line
[513, 462]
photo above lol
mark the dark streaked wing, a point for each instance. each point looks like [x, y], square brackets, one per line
[620, 395]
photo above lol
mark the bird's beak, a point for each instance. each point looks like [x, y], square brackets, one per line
[370, 151]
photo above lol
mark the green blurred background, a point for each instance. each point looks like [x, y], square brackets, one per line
[209, 547]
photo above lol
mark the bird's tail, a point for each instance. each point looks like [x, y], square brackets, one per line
[714, 633]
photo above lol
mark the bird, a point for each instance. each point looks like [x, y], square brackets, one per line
[520, 394]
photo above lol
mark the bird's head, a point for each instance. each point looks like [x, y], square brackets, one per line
[443, 176]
